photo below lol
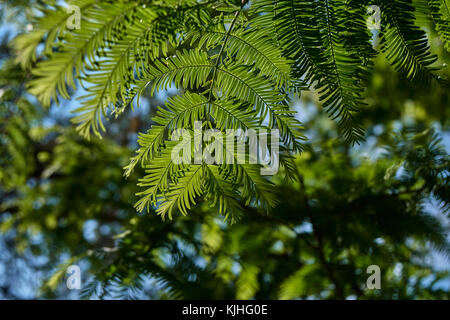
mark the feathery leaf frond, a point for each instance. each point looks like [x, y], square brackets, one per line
[237, 65]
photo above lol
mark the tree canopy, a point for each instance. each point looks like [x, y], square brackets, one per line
[361, 114]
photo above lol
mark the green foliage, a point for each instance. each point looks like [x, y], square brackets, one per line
[63, 200]
[406, 45]
[237, 65]
[439, 11]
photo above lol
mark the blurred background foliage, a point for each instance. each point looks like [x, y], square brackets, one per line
[64, 200]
